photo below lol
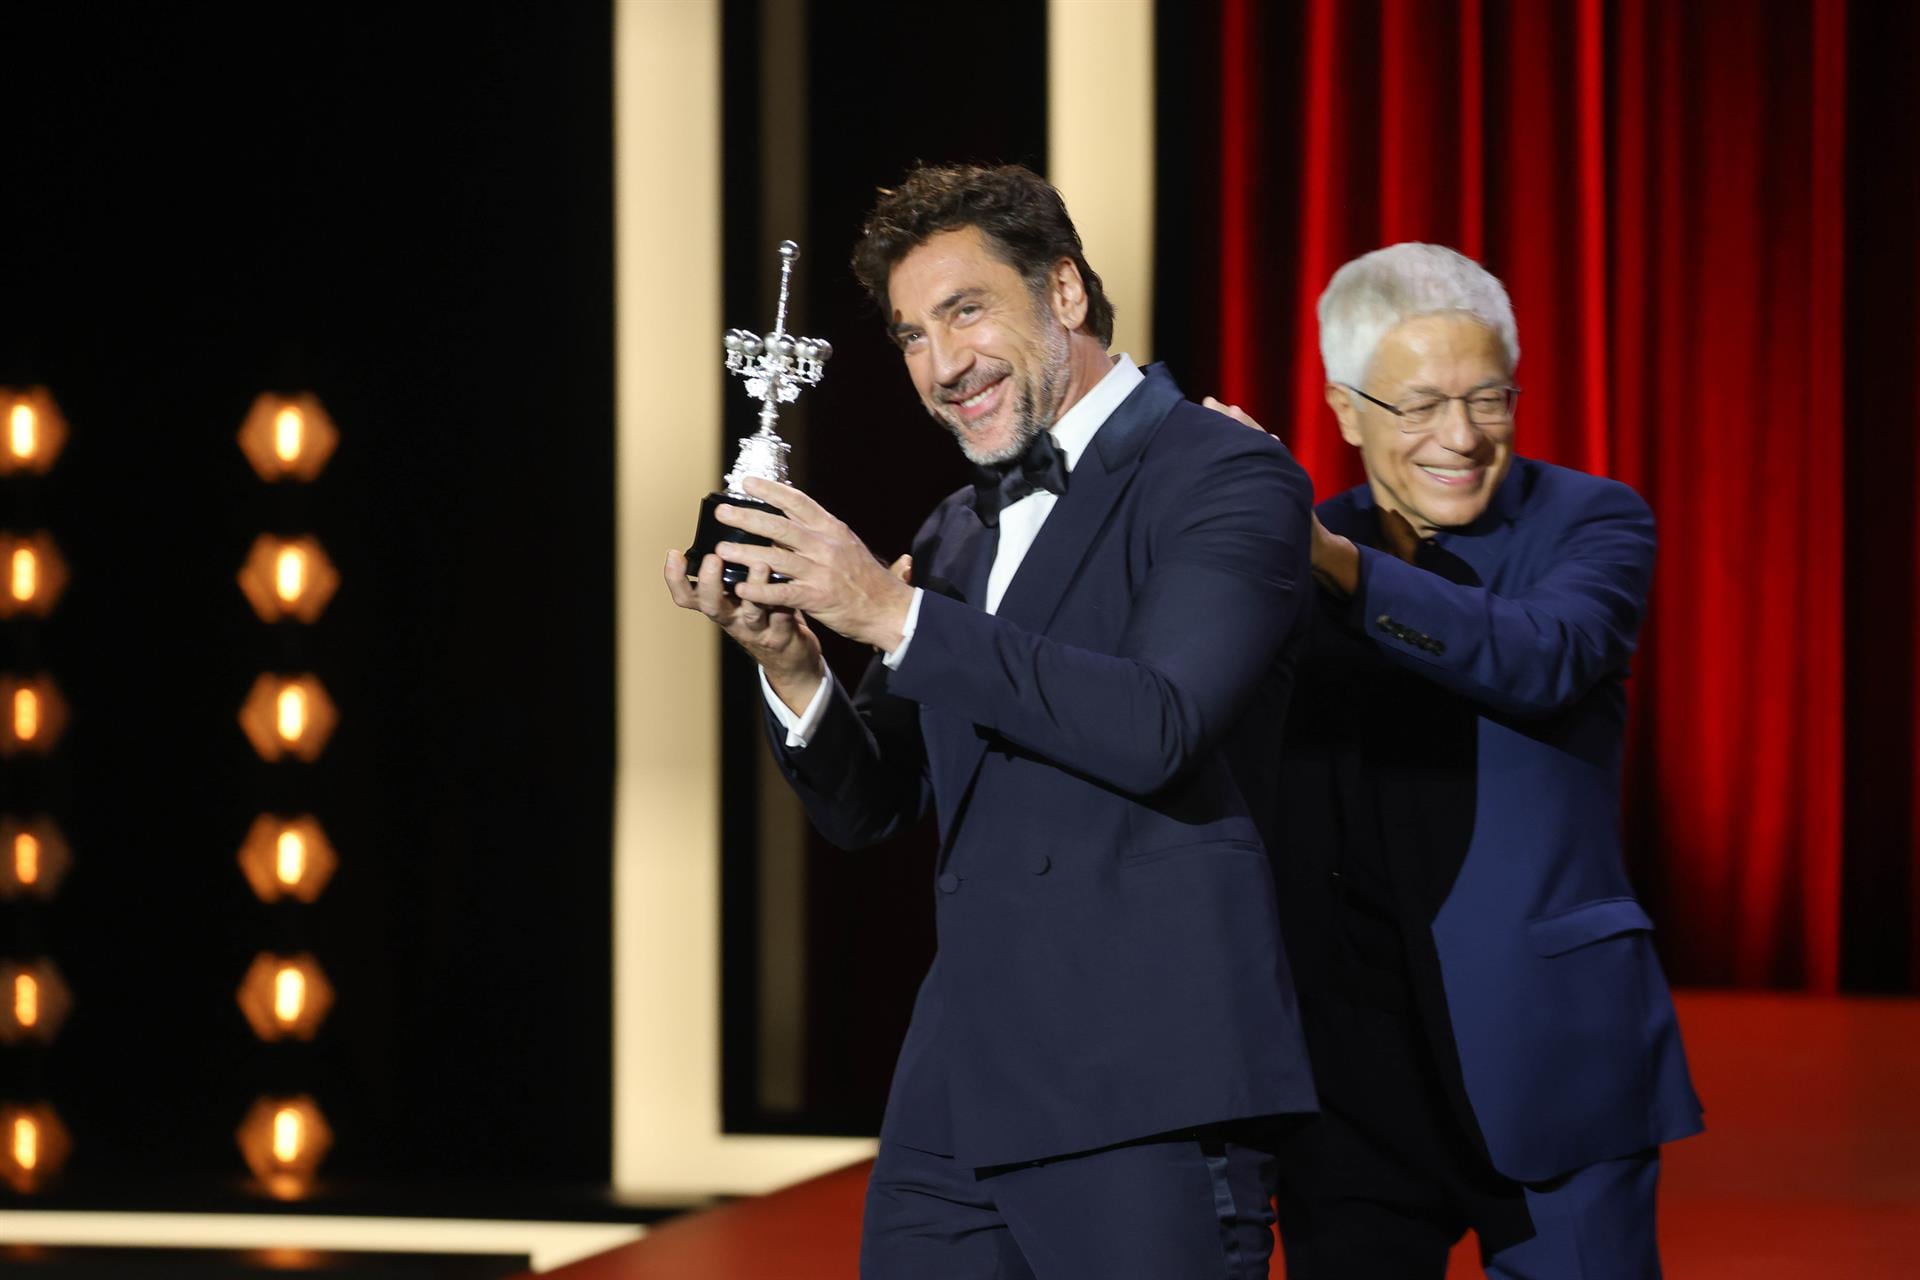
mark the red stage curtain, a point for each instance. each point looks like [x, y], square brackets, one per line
[1665, 190]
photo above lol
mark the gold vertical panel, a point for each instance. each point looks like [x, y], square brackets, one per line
[1100, 137]
[782, 848]
[667, 1123]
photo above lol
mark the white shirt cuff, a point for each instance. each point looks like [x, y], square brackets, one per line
[898, 656]
[800, 727]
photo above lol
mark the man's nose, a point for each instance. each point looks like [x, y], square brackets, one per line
[1455, 429]
[951, 359]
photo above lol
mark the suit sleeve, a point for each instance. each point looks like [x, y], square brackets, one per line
[1533, 653]
[862, 775]
[1226, 584]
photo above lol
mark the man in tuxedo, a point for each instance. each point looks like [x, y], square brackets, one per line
[1493, 1039]
[1089, 1083]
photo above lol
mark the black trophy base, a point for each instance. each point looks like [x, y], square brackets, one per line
[711, 533]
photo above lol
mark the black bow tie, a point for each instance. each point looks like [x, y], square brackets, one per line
[997, 487]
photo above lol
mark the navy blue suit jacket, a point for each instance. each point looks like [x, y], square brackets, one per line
[1517, 632]
[1109, 963]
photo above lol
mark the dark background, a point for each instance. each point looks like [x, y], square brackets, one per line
[408, 211]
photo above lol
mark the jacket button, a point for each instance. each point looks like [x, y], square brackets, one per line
[1436, 647]
[1385, 623]
[1040, 864]
[949, 883]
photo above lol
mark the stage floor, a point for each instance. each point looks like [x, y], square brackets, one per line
[1810, 1165]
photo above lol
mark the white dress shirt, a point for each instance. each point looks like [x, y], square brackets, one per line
[1019, 525]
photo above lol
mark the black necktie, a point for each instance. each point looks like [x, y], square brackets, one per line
[999, 486]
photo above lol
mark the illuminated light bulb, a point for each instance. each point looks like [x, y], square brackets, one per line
[35, 716]
[287, 437]
[289, 994]
[26, 859]
[287, 716]
[290, 574]
[26, 1143]
[290, 857]
[33, 861]
[291, 712]
[289, 431]
[287, 1135]
[35, 1146]
[288, 578]
[36, 1002]
[285, 997]
[287, 857]
[24, 580]
[34, 574]
[283, 1141]
[23, 432]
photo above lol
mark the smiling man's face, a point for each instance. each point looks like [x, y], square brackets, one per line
[990, 360]
[1443, 474]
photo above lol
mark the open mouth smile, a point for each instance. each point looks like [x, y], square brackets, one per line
[1453, 477]
[981, 403]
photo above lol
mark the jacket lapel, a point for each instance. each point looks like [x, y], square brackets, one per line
[957, 746]
[954, 744]
[1098, 479]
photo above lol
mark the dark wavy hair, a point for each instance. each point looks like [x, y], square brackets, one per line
[1022, 217]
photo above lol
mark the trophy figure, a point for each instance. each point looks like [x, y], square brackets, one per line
[775, 368]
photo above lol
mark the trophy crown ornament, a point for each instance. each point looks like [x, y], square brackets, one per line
[775, 368]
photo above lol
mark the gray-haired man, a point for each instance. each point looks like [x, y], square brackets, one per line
[1492, 1038]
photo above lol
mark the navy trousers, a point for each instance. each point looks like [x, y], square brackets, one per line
[1191, 1206]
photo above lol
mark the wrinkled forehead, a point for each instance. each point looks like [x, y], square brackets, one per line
[946, 263]
[1440, 345]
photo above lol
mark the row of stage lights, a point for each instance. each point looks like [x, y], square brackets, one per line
[283, 997]
[33, 1140]
[287, 717]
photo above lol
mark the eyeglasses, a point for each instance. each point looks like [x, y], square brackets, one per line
[1486, 407]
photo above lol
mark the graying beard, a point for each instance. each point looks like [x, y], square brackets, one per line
[1029, 419]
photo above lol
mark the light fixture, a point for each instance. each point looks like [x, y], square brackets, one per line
[287, 858]
[283, 1141]
[288, 578]
[33, 1146]
[288, 716]
[32, 715]
[33, 858]
[288, 437]
[32, 575]
[32, 431]
[34, 1002]
[285, 997]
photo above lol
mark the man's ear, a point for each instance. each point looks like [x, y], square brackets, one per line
[1067, 294]
[1340, 400]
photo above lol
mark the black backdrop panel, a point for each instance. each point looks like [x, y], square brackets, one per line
[409, 212]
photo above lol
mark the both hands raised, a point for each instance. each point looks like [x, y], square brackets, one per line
[830, 577]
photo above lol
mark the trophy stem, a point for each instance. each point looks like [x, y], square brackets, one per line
[786, 272]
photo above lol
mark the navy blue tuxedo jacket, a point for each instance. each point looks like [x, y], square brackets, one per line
[1482, 688]
[1109, 963]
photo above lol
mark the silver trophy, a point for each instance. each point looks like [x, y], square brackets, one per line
[775, 367]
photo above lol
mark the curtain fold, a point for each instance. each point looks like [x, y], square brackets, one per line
[1668, 192]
